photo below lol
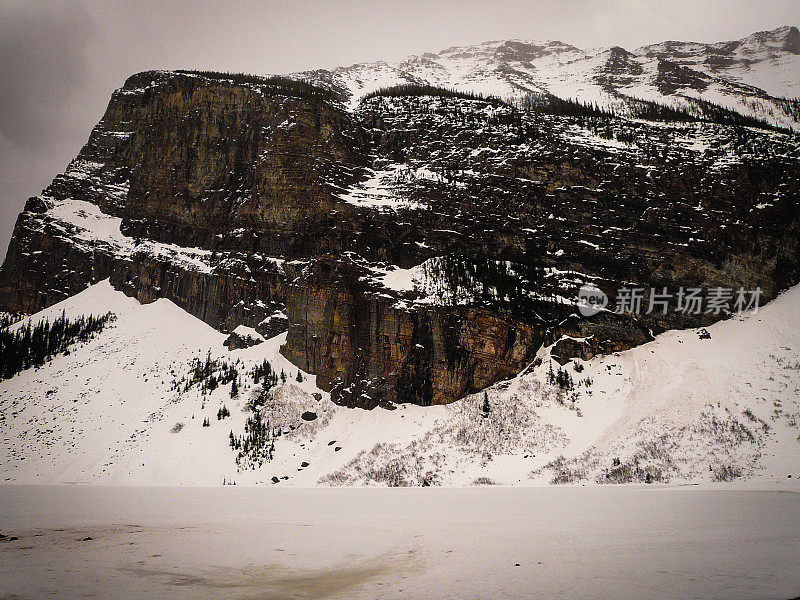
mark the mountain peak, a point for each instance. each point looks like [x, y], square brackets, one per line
[785, 38]
[791, 40]
[752, 74]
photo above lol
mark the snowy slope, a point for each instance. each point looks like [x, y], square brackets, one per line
[106, 412]
[769, 60]
[681, 408]
[745, 75]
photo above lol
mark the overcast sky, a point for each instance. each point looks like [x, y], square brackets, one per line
[60, 61]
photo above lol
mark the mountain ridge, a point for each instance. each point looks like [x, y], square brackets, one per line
[422, 251]
[750, 76]
[422, 245]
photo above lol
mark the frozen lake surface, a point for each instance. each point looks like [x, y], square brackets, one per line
[236, 542]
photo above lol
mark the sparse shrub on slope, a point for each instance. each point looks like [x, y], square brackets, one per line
[510, 426]
[467, 434]
[389, 465]
[726, 473]
[565, 471]
[718, 444]
[484, 481]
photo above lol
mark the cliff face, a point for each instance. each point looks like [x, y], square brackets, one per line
[231, 157]
[43, 267]
[230, 173]
[417, 249]
[368, 350]
[224, 293]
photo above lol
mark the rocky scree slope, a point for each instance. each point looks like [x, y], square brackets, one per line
[417, 248]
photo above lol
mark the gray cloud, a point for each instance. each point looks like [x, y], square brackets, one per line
[44, 69]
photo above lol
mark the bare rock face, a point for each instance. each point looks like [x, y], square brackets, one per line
[243, 337]
[416, 249]
[233, 173]
[225, 295]
[368, 350]
[233, 156]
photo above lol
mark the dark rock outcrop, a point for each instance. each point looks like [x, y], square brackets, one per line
[239, 339]
[236, 199]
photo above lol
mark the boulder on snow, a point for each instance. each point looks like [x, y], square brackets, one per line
[243, 337]
[273, 325]
[309, 416]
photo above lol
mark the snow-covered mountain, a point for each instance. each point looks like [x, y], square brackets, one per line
[404, 255]
[707, 405]
[753, 76]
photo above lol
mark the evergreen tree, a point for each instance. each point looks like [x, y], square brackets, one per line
[486, 407]
[257, 445]
[33, 345]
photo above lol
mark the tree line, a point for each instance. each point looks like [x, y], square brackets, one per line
[647, 110]
[34, 345]
[419, 89]
[274, 83]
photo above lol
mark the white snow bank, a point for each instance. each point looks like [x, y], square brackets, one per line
[696, 408]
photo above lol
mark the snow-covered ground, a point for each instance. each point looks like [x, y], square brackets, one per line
[381, 189]
[691, 406]
[235, 542]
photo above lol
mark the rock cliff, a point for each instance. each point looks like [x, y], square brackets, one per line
[418, 248]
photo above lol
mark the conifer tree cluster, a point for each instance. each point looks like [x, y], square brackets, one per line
[417, 89]
[268, 378]
[34, 345]
[552, 105]
[274, 84]
[483, 279]
[210, 374]
[257, 445]
[264, 371]
[790, 106]
[648, 110]
[7, 319]
[223, 413]
[560, 378]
